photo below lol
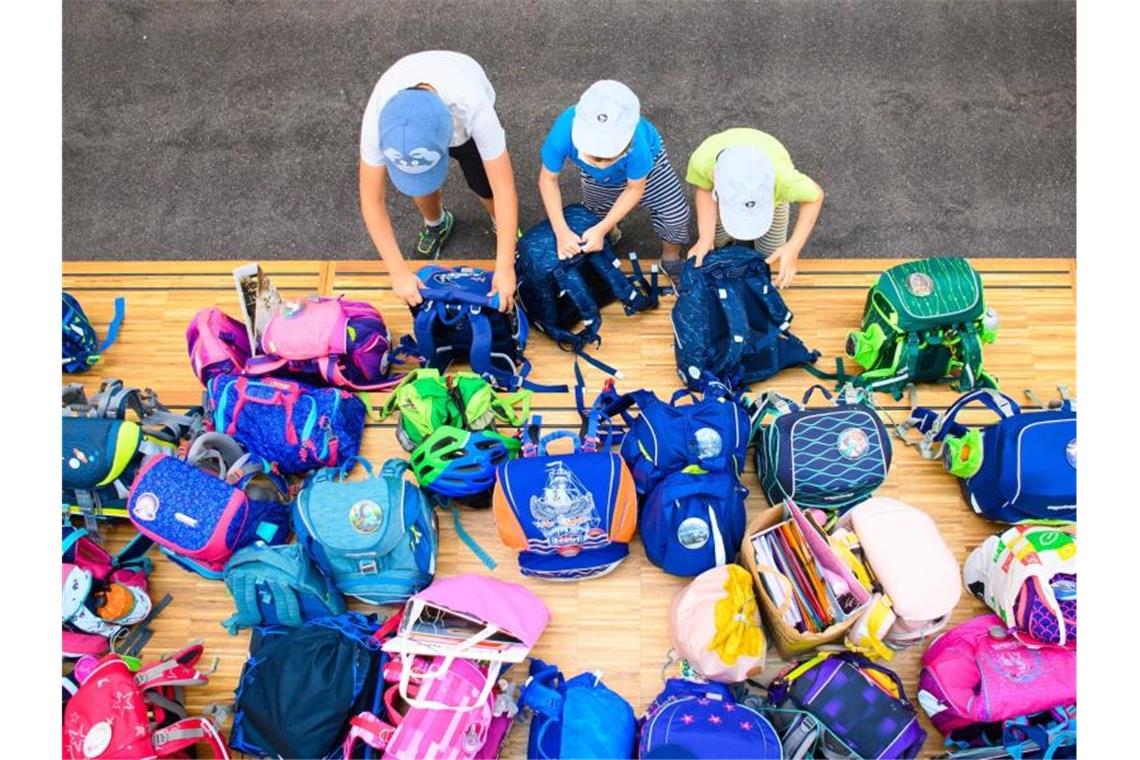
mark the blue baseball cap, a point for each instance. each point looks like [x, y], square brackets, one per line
[415, 133]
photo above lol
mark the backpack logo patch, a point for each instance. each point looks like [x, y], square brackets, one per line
[920, 284]
[852, 443]
[564, 512]
[1071, 453]
[146, 506]
[709, 443]
[365, 516]
[693, 533]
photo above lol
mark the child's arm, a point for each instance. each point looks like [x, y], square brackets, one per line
[502, 180]
[568, 243]
[594, 238]
[789, 253]
[706, 224]
[374, 209]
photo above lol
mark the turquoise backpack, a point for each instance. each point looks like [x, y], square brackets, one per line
[277, 585]
[376, 538]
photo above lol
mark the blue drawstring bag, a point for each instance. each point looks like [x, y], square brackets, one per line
[580, 718]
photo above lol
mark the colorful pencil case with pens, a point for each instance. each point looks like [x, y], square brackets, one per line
[808, 595]
[898, 555]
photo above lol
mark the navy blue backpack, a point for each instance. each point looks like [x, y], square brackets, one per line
[829, 457]
[81, 348]
[1024, 467]
[457, 321]
[579, 718]
[692, 522]
[559, 294]
[704, 720]
[730, 323]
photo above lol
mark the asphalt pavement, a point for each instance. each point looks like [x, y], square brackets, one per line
[198, 130]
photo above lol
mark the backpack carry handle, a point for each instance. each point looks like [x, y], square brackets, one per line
[343, 471]
[996, 401]
[811, 391]
[680, 393]
[458, 296]
[556, 435]
[369, 729]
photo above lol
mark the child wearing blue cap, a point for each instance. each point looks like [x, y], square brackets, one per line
[623, 164]
[424, 108]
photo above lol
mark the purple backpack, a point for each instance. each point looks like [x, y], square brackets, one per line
[704, 720]
[294, 425]
[217, 343]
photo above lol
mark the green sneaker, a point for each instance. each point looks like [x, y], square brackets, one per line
[431, 239]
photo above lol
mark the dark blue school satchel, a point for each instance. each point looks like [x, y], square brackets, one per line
[1023, 467]
[693, 522]
[829, 457]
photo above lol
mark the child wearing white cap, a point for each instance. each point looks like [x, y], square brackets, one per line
[623, 164]
[745, 182]
[428, 106]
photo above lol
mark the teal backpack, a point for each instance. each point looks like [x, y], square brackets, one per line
[376, 538]
[277, 585]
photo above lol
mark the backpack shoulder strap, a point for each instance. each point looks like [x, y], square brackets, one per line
[732, 305]
[243, 589]
[186, 733]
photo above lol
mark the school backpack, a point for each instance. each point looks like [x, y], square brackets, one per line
[923, 321]
[458, 322]
[103, 445]
[81, 348]
[559, 294]
[829, 457]
[978, 673]
[714, 626]
[704, 720]
[844, 705]
[217, 343]
[578, 717]
[1048, 734]
[301, 687]
[570, 516]
[730, 324]
[294, 425]
[710, 433]
[118, 714]
[103, 593]
[375, 538]
[693, 522]
[198, 515]
[1024, 467]
[1028, 576]
[277, 585]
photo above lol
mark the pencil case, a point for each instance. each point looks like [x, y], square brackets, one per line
[790, 641]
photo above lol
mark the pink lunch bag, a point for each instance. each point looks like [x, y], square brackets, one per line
[217, 343]
[979, 673]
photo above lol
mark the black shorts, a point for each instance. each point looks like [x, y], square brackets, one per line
[472, 165]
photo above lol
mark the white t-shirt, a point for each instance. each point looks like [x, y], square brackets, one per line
[462, 85]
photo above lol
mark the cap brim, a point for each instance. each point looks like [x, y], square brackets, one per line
[602, 143]
[417, 185]
[747, 223]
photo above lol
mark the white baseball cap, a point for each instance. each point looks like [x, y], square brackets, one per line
[744, 183]
[605, 119]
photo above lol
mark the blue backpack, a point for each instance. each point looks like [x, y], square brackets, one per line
[693, 522]
[704, 720]
[829, 457]
[730, 323]
[580, 718]
[1024, 467]
[81, 348]
[711, 433]
[376, 538]
[559, 294]
[292, 424]
[457, 321]
[277, 585]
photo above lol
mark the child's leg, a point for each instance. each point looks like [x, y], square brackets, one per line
[720, 237]
[777, 234]
[668, 208]
[474, 173]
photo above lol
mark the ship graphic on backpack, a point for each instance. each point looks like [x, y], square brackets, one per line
[376, 538]
[277, 585]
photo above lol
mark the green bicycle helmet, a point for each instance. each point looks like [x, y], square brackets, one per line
[459, 464]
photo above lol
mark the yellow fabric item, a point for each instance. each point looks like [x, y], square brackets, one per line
[843, 542]
[126, 445]
[736, 634]
[866, 636]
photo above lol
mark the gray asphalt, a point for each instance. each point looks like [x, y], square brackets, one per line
[229, 130]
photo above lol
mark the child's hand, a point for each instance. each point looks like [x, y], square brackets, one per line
[503, 284]
[407, 288]
[568, 244]
[786, 256]
[699, 250]
[593, 239]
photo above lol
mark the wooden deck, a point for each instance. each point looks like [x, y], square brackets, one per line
[616, 624]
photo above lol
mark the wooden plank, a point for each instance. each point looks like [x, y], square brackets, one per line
[616, 623]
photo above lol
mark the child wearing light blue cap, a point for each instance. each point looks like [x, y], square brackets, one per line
[426, 107]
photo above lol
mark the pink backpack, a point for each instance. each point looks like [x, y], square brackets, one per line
[979, 673]
[217, 343]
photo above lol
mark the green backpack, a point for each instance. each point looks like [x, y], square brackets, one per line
[924, 321]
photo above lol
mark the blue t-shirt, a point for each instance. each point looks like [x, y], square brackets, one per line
[635, 163]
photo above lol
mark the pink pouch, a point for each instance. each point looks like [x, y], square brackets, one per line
[978, 673]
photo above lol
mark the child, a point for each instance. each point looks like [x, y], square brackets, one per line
[623, 164]
[425, 107]
[747, 176]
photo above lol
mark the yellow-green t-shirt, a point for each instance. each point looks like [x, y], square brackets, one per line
[792, 185]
